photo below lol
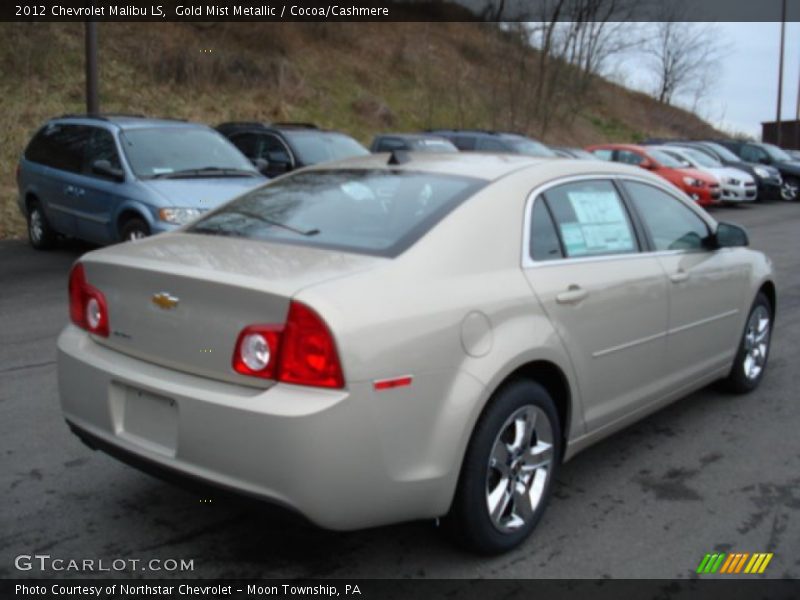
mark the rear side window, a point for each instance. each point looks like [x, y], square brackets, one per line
[60, 146]
[490, 145]
[544, 238]
[464, 142]
[591, 219]
[629, 158]
[671, 225]
[389, 144]
[603, 154]
[371, 211]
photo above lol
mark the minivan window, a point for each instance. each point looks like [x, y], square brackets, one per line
[591, 218]
[671, 225]
[173, 151]
[372, 211]
[101, 146]
[60, 146]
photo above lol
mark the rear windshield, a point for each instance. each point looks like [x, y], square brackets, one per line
[530, 147]
[316, 147]
[370, 211]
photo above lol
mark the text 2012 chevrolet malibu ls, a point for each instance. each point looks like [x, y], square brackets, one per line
[385, 340]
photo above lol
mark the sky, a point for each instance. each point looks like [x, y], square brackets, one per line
[747, 83]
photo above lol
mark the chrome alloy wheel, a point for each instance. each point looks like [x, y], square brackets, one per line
[789, 190]
[36, 225]
[519, 468]
[136, 234]
[756, 343]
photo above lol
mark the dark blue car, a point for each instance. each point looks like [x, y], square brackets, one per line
[107, 179]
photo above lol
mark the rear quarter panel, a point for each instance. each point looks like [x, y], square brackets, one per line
[407, 318]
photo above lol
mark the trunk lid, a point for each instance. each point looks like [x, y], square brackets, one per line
[180, 300]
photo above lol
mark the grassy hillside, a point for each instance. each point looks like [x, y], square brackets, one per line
[359, 77]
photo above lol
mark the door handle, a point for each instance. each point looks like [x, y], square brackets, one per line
[679, 277]
[69, 190]
[572, 295]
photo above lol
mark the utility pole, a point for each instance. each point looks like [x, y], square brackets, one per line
[92, 101]
[780, 75]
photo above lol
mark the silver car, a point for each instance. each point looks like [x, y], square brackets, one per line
[411, 336]
[735, 184]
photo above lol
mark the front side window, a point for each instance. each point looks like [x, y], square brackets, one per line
[274, 151]
[629, 158]
[591, 219]
[671, 225]
[174, 152]
[371, 211]
[754, 154]
[101, 146]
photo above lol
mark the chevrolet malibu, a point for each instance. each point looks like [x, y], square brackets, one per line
[411, 336]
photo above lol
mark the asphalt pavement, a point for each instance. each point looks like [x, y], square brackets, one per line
[711, 473]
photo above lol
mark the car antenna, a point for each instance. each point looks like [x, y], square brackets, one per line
[399, 157]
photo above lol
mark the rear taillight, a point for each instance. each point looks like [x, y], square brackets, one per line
[301, 352]
[87, 305]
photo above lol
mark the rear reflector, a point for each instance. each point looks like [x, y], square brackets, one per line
[87, 305]
[388, 384]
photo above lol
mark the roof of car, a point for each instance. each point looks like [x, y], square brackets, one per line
[632, 147]
[126, 121]
[412, 136]
[479, 165]
[501, 134]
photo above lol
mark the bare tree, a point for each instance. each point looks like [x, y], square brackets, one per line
[684, 57]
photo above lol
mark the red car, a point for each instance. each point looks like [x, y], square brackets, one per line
[701, 187]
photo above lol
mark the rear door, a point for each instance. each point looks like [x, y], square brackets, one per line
[57, 152]
[606, 298]
[706, 287]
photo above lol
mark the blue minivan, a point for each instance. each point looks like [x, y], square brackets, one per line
[108, 178]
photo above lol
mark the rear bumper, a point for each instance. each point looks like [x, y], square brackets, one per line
[316, 452]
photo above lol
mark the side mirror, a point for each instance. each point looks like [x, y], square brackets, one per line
[730, 236]
[647, 164]
[764, 160]
[103, 168]
[262, 164]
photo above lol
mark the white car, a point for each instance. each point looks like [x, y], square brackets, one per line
[735, 184]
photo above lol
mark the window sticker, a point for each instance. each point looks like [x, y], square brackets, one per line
[574, 242]
[601, 223]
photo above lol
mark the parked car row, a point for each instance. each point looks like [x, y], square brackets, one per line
[114, 178]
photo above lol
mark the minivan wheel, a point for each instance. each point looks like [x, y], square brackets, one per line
[134, 229]
[751, 358]
[508, 470]
[40, 234]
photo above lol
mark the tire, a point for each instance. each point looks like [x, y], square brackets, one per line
[751, 358]
[790, 189]
[497, 472]
[134, 229]
[40, 234]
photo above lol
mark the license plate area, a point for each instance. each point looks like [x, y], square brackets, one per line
[146, 419]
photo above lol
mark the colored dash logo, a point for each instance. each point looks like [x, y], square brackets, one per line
[735, 563]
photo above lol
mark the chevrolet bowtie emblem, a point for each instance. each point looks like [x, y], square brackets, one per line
[165, 300]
